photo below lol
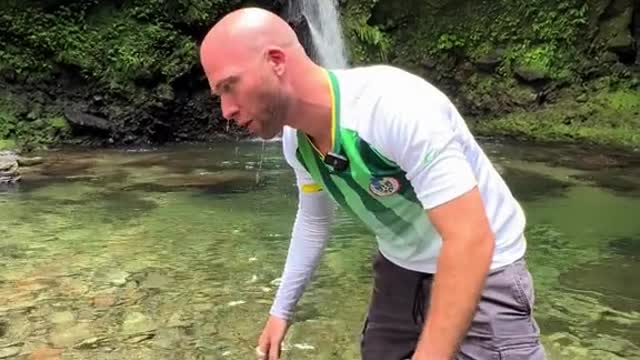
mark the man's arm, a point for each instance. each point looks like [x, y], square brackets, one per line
[421, 130]
[309, 236]
[463, 265]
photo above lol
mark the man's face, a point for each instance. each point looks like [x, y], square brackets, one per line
[250, 94]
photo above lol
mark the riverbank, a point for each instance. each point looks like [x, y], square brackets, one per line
[607, 119]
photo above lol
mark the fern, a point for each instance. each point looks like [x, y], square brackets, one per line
[372, 36]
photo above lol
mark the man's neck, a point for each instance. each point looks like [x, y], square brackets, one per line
[311, 112]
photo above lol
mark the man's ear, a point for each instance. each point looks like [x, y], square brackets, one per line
[277, 59]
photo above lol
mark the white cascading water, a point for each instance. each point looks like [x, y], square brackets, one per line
[323, 19]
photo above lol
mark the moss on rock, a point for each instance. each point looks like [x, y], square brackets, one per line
[606, 117]
[516, 67]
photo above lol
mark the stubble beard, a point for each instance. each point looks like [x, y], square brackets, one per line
[274, 115]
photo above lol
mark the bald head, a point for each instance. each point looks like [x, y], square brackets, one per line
[253, 28]
[245, 33]
[253, 60]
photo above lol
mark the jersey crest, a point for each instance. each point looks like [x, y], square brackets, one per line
[384, 186]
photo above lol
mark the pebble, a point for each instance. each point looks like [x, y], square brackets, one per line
[304, 346]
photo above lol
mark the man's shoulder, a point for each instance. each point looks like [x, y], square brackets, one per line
[395, 86]
[375, 72]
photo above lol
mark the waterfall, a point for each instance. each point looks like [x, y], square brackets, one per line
[324, 27]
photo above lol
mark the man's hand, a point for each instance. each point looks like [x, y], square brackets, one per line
[270, 341]
[463, 265]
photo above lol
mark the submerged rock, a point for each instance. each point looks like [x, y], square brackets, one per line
[9, 172]
[136, 324]
[67, 336]
[10, 352]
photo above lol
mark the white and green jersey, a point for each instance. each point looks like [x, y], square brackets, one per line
[407, 150]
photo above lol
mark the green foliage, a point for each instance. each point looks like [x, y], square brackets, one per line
[128, 48]
[367, 43]
[7, 144]
[609, 118]
[543, 34]
[449, 42]
[374, 39]
[114, 50]
[191, 12]
[28, 128]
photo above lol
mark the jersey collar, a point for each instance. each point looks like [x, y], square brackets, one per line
[335, 112]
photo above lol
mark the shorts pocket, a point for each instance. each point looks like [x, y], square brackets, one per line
[533, 351]
[522, 286]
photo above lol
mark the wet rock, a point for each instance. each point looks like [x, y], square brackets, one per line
[30, 161]
[45, 353]
[155, 280]
[178, 320]
[236, 303]
[10, 352]
[9, 172]
[304, 346]
[81, 119]
[140, 338]
[118, 277]
[137, 323]
[91, 343]
[168, 338]
[103, 300]
[67, 336]
[615, 29]
[63, 317]
[17, 329]
[489, 62]
[529, 74]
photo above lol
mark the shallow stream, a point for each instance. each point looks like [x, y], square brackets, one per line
[175, 253]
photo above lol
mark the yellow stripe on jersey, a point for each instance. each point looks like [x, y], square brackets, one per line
[309, 188]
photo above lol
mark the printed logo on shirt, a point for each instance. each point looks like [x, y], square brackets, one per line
[384, 186]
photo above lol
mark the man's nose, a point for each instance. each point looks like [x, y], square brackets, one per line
[229, 108]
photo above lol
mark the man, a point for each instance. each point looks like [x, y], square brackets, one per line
[450, 278]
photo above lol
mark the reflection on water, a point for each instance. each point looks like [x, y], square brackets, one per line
[175, 253]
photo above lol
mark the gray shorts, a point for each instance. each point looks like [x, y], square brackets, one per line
[503, 326]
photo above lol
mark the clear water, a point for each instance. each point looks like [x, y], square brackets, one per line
[174, 253]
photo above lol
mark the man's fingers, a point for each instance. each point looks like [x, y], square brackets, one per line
[274, 351]
[261, 352]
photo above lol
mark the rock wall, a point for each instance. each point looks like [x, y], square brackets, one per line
[108, 72]
[126, 71]
[548, 70]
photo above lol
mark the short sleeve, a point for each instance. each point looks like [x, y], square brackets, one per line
[422, 135]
